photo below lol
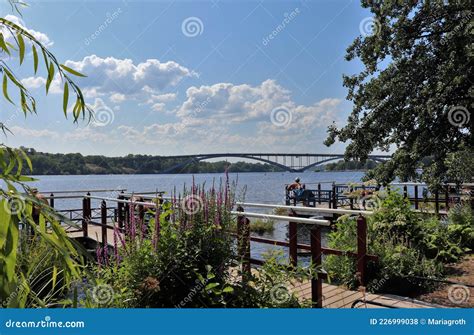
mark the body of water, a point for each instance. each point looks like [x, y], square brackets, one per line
[252, 187]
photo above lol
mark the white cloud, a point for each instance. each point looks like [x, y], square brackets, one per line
[121, 76]
[158, 107]
[41, 37]
[234, 103]
[26, 132]
[33, 82]
[117, 98]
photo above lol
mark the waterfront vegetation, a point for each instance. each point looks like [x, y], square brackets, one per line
[411, 246]
[187, 258]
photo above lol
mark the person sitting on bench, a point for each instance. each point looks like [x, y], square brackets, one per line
[297, 188]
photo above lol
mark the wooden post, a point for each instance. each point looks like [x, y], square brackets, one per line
[334, 197]
[416, 196]
[316, 280]
[243, 243]
[446, 197]
[103, 221]
[437, 201]
[351, 199]
[361, 248]
[51, 200]
[319, 193]
[85, 216]
[120, 211]
[405, 191]
[293, 239]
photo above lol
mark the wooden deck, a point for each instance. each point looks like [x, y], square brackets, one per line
[340, 297]
[333, 296]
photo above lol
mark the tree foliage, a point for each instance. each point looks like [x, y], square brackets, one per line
[414, 94]
[22, 214]
[75, 163]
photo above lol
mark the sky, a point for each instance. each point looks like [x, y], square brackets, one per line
[190, 77]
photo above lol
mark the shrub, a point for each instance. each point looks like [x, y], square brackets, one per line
[409, 245]
[191, 262]
[262, 226]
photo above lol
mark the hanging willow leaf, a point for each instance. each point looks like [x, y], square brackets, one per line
[5, 89]
[65, 98]
[3, 45]
[35, 58]
[50, 76]
[23, 102]
[74, 72]
[21, 46]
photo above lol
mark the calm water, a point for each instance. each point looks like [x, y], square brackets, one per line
[251, 187]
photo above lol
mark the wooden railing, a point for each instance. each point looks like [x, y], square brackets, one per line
[244, 239]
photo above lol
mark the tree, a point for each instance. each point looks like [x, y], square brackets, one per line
[22, 211]
[415, 93]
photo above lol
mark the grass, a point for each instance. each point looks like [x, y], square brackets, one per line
[262, 226]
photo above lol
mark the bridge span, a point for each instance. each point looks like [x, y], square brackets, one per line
[286, 161]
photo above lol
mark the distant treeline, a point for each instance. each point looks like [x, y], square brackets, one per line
[350, 165]
[74, 164]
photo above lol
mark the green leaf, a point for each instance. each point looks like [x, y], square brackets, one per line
[228, 289]
[35, 58]
[54, 276]
[74, 72]
[50, 76]
[210, 286]
[5, 89]
[5, 220]
[21, 45]
[3, 45]
[65, 98]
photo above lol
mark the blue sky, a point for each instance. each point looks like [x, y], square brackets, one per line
[186, 77]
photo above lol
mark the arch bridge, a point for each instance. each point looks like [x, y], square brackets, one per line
[285, 161]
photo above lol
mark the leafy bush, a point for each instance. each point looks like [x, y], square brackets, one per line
[262, 226]
[409, 245]
[189, 260]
